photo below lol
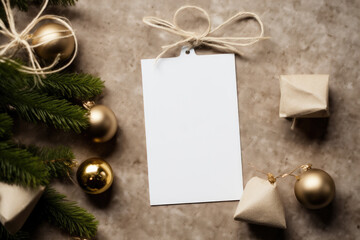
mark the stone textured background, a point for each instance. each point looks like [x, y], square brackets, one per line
[306, 37]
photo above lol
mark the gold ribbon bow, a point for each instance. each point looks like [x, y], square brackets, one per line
[226, 44]
[21, 40]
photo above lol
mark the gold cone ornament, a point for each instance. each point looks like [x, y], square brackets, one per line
[314, 188]
[53, 39]
[95, 175]
[103, 123]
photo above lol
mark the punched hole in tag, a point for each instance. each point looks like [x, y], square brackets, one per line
[187, 51]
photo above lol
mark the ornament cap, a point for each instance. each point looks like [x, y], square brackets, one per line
[88, 104]
[306, 167]
[271, 178]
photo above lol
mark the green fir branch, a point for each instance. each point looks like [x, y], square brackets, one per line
[69, 85]
[6, 124]
[66, 214]
[11, 78]
[35, 104]
[74, 85]
[15, 94]
[35, 107]
[5, 235]
[21, 167]
[59, 161]
[23, 5]
[64, 3]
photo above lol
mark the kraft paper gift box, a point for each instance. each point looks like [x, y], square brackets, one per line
[304, 96]
[261, 204]
[16, 204]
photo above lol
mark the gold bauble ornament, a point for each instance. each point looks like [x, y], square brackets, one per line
[103, 124]
[95, 175]
[314, 188]
[50, 34]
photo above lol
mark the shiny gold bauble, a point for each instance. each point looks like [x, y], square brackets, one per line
[49, 34]
[94, 175]
[103, 124]
[314, 189]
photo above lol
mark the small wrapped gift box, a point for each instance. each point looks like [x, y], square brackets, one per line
[16, 204]
[261, 204]
[304, 96]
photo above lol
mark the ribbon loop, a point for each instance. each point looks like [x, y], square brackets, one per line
[226, 44]
[193, 34]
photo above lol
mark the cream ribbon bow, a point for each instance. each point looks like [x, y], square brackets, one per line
[226, 44]
[21, 40]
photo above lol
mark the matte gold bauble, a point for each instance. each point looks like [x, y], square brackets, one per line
[94, 175]
[49, 34]
[103, 124]
[314, 189]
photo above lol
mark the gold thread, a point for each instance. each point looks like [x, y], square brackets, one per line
[272, 178]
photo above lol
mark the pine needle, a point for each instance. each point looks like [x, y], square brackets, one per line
[23, 5]
[66, 214]
[21, 167]
[63, 3]
[6, 124]
[16, 94]
[75, 85]
[35, 107]
[59, 161]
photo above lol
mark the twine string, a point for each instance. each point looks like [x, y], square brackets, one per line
[293, 123]
[193, 39]
[21, 40]
[272, 178]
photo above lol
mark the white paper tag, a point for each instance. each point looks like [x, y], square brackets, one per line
[192, 128]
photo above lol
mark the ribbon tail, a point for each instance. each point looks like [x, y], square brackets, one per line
[7, 9]
[36, 19]
[171, 46]
[293, 124]
[7, 47]
[166, 49]
[5, 31]
[236, 41]
[223, 47]
[161, 54]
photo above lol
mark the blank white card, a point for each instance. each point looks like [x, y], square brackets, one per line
[192, 129]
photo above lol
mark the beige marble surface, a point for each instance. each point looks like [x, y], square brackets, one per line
[306, 37]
